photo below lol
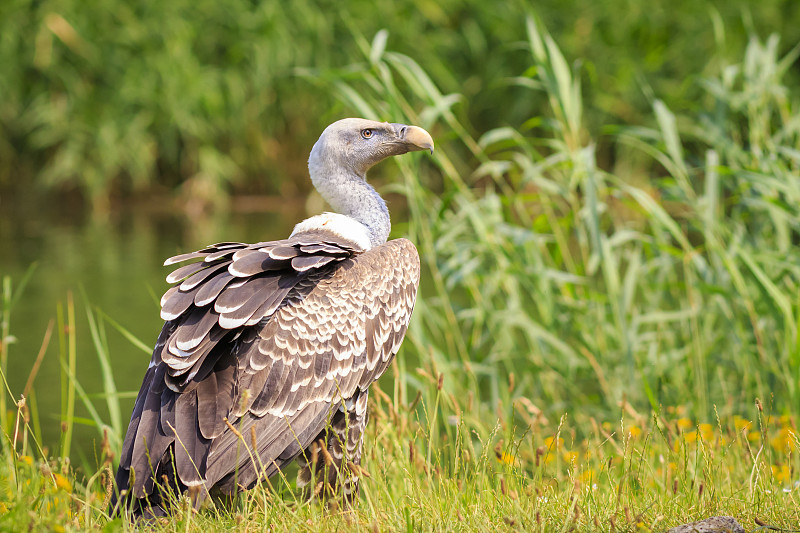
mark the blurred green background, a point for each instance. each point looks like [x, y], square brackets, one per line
[611, 214]
[103, 101]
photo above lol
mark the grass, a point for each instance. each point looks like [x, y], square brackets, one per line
[598, 346]
[478, 471]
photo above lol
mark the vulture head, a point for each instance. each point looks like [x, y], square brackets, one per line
[338, 167]
[354, 145]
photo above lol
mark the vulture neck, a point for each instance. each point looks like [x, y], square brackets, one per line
[349, 194]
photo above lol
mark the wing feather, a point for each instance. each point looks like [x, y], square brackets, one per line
[185, 271]
[197, 325]
[183, 257]
[306, 262]
[175, 302]
[255, 262]
[208, 407]
[150, 442]
[167, 415]
[219, 254]
[191, 448]
[196, 279]
[211, 289]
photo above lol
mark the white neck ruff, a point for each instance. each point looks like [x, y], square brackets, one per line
[342, 225]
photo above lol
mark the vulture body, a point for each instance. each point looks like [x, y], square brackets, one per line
[268, 350]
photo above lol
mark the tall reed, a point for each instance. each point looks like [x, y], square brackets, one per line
[593, 287]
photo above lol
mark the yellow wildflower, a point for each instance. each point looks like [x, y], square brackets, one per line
[741, 423]
[549, 443]
[683, 423]
[753, 436]
[781, 472]
[506, 458]
[785, 440]
[63, 483]
[570, 457]
[587, 476]
[52, 505]
[634, 431]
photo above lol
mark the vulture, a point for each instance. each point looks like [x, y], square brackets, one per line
[268, 350]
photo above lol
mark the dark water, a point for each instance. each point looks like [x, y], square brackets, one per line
[116, 262]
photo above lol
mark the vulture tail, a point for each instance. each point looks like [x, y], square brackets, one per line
[161, 502]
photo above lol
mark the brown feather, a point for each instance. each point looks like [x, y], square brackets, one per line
[224, 245]
[177, 302]
[255, 262]
[146, 443]
[209, 290]
[222, 253]
[306, 262]
[183, 257]
[325, 248]
[192, 331]
[180, 364]
[208, 409]
[185, 271]
[196, 279]
[191, 448]
[166, 419]
[213, 351]
[233, 298]
[284, 252]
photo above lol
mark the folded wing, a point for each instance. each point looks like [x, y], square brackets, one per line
[270, 337]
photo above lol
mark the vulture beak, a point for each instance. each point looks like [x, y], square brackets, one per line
[414, 138]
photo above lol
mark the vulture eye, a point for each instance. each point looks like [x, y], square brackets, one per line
[366, 133]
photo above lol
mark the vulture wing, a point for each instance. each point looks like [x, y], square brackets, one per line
[271, 338]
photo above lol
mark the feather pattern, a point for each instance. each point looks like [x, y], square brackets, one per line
[273, 336]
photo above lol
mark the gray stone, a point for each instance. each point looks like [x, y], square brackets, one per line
[715, 524]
